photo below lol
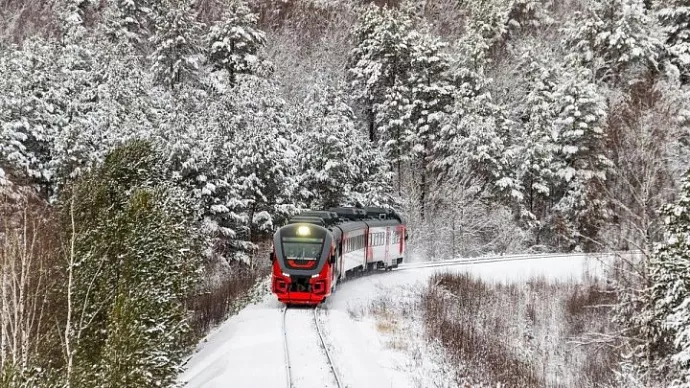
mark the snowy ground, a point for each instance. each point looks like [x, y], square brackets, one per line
[369, 351]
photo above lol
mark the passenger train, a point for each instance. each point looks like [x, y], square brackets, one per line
[318, 249]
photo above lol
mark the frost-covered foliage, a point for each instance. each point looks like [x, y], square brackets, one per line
[339, 165]
[674, 17]
[129, 266]
[72, 103]
[234, 44]
[661, 323]
[376, 64]
[176, 44]
[132, 20]
[582, 163]
[536, 152]
[612, 38]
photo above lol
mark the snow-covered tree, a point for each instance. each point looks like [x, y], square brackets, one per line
[263, 166]
[379, 61]
[176, 46]
[235, 42]
[477, 132]
[582, 163]
[534, 148]
[132, 20]
[661, 323]
[613, 38]
[26, 133]
[674, 17]
[338, 165]
[430, 99]
[130, 267]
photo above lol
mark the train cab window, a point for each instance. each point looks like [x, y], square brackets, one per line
[300, 248]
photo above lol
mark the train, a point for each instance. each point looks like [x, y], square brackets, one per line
[318, 249]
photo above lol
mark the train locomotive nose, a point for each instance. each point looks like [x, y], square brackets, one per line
[317, 249]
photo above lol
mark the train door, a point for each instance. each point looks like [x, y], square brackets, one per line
[341, 262]
[387, 256]
[402, 237]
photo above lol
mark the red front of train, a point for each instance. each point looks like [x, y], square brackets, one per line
[302, 264]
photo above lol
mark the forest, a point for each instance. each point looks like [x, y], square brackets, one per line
[150, 148]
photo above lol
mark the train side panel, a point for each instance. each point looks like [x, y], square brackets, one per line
[354, 250]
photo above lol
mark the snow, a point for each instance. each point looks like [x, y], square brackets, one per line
[308, 362]
[248, 349]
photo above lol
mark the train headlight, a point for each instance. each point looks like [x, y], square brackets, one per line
[303, 231]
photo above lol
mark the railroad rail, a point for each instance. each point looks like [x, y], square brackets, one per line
[496, 259]
[322, 344]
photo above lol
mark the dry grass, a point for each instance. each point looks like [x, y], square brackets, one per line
[536, 334]
[213, 306]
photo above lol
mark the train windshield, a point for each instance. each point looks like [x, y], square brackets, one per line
[302, 248]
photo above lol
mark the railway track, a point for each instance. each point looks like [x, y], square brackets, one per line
[301, 371]
[496, 259]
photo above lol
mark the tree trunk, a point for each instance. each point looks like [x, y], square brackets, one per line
[422, 191]
[69, 352]
[372, 129]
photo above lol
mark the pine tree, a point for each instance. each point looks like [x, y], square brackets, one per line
[379, 61]
[658, 316]
[431, 98]
[133, 20]
[131, 268]
[253, 167]
[614, 38]
[338, 165]
[674, 17]
[175, 44]
[26, 133]
[476, 134]
[582, 163]
[535, 149]
[234, 44]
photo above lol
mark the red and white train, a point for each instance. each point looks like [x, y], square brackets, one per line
[318, 249]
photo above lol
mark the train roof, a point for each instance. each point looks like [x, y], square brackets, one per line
[307, 220]
[348, 218]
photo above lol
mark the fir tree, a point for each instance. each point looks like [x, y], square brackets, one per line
[582, 163]
[535, 149]
[27, 132]
[431, 98]
[131, 266]
[379, 61]
[133, 20]
[658, 316]
[614, 38]
[175, 44]
[339, 166]
[234, 44]
[674, 17]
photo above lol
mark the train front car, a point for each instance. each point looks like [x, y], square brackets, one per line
[302, 268]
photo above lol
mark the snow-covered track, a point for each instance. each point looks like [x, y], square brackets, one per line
[454, 262]
[496, 259]
[325, 349]
[305, 348]
[288, 373]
